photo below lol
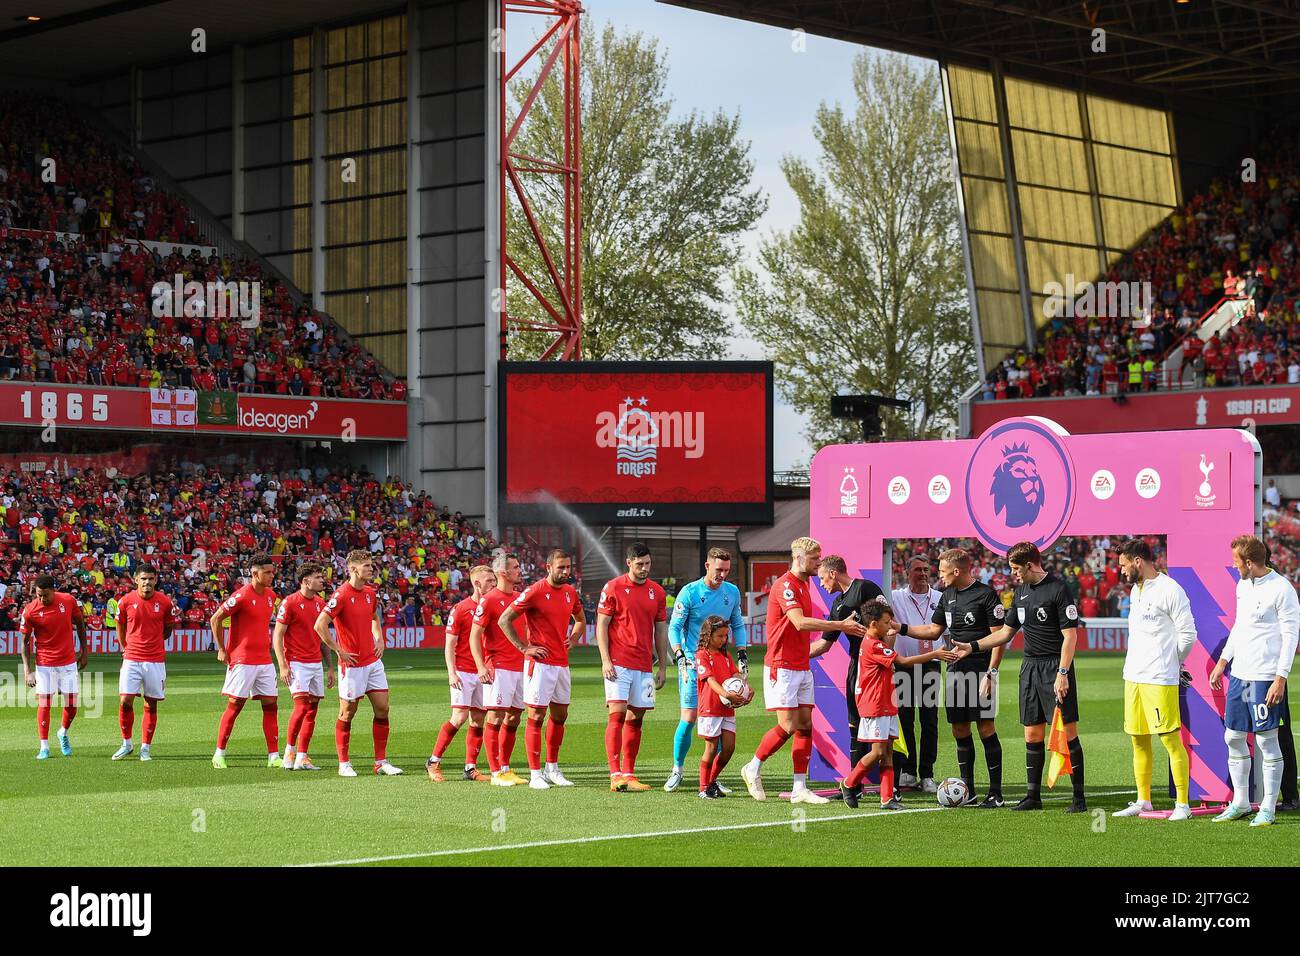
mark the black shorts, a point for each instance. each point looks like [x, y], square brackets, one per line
[850, 697]
[1037, 696]
[962, 703]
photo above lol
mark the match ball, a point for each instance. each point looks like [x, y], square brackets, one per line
[953, 792]
[738, 691]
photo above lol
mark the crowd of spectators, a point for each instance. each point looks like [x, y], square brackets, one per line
[97, 306]
[1090, 565]
[199, 526]
[1235, 239]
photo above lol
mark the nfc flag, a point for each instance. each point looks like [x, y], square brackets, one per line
[173, 407]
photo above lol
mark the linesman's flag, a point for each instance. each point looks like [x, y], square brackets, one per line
[1060, 749]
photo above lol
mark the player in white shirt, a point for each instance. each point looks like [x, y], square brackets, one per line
[1261, 648]
[1161, 633]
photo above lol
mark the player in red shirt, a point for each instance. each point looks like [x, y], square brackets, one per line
[553, 611]
[246, 652]
[145, 618]
[877, 703]
[47, 624]
[500, 666]
[716, 711]
[788, 689]
[462, 675]
[631, 626]
[298, 653]
[358, 642]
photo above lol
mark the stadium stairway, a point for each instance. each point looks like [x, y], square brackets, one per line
[1223, 317]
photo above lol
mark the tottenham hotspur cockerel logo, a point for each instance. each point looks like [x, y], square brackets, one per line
[1017, 487]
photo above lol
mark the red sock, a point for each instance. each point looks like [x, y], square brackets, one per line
[308, 726]
[614, 739]
[445, 733]
[801, 750]
[631, 745]
[271, 726]
[554, 737]
[295, 721]
[506, 741]
[342, 739]
[379, 730]
[126, 719]
[43, 717]
[717, 768]
[69, 712]
[150, 722]
[856, 775]
[772, 741]
[706, 774]
[473, 744]
[492, 742]
[533, 743]
[886, 784]
[233, 707]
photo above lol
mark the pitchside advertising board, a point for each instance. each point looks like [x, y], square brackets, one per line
[186, 411]
[636, 442]
[1027, 479]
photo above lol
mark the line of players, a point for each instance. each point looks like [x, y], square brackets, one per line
[504, 673]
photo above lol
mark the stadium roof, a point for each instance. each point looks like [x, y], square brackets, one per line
[75, 39]
[1247, 51]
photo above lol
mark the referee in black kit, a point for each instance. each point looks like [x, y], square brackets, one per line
[1044, 607]
[853, 594]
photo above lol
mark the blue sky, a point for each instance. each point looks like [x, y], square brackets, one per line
[719, 63]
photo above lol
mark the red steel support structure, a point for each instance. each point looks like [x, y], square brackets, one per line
[563, 274]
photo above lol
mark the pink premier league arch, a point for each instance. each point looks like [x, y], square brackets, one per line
[1027, 479]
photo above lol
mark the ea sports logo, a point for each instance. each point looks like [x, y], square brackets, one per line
[940, 489]
[1020, 484]
[1102, 484]
[1147, 482]
[899, 490]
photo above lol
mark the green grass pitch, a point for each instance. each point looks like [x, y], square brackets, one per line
[177, 810]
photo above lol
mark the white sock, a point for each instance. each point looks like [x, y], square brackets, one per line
[63, 731]
[535, 774]
[273, 753]
[127, 743]
[45, 743]
[552, 768]
[219, 752]
[1271, 750]
[755, 766]
[1145, 804]
[469, 766]
[800, 782]
[145, 746]
[677, 768]
[505, 768]
[299, 759]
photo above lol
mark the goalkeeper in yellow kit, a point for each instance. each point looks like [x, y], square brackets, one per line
[1161, 632]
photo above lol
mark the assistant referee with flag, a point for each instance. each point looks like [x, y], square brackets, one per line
[1044, 607]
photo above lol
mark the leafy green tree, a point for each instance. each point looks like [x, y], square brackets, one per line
[867, 294]
[665, 205]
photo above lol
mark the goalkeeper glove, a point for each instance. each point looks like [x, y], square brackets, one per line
[742, 659]
[1185, 678]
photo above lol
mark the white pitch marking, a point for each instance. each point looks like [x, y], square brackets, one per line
[574, 841]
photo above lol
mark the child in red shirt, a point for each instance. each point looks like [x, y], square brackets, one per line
[877, 707]
[717, 711]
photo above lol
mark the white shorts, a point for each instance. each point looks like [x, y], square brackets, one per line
[546, 684]
[506, 692]
[789, 690]
[470, 694]
[250, 680]
[143, 678]
[710, 727]
[877, 728]
[306, 678]
[634, 688]
[57, 680]
[356, 682]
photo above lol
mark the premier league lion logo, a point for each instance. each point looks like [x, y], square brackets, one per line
[1017, 488]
